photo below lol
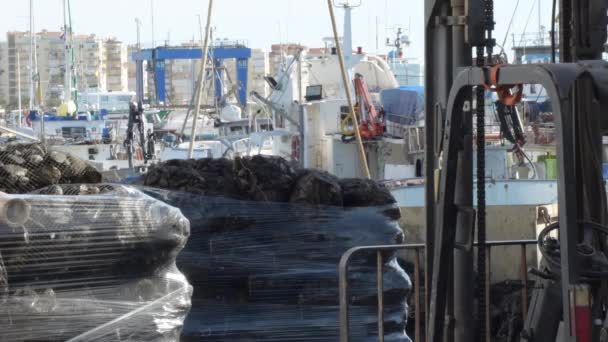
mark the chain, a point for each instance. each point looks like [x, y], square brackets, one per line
[488, 10]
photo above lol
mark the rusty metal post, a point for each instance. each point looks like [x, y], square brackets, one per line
[343, 278]
[488, 278]
[524, 281]
[380, 279]
[417, 303]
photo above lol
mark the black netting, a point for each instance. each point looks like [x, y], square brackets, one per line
[267, 271]
[28, 167]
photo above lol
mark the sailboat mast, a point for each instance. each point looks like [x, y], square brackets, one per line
[31, 61]
[347, 39]
[73, 74]
[201, 80]
[19, 88]
[152, 19]
[67, 76]
[36, 77]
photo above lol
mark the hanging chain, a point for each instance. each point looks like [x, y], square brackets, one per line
[488, 10]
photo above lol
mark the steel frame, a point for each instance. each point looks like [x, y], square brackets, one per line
[158, 57]
[561, 82]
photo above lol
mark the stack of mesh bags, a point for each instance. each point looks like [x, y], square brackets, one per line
[265, 246]
[29, 167]
[90, 263]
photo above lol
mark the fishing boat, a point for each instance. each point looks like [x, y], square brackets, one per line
[91, 125]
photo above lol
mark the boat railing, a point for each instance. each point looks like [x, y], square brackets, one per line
[91, 138]
[419, 303]
[529, 39]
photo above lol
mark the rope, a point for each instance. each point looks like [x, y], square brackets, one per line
[504, 41]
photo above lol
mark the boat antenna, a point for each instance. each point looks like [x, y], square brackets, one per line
[377, 46]
[152, 14]
[346, 84]
[347, 38]
[138, 25]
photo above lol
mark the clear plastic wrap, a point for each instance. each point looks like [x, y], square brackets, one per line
[265, 271]
[95, 267]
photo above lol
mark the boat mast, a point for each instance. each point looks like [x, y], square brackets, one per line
[36, 77]
[67, 76]
[347, 84]
[201, 78]
[152, 19]
[347, 39]
[74, 81]
[31, 61]
[138, 24]
[19, 89]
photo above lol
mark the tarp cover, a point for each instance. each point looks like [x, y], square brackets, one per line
[403, 105]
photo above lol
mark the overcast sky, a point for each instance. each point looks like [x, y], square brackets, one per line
[260, 22]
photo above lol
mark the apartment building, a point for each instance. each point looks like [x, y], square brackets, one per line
[97, 64]
[117, 65]
[19, 81]
[90, 62]
[181, 80]
[278, 53]
[3, 74]
[259, 66]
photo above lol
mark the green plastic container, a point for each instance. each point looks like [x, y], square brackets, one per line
[550, 165]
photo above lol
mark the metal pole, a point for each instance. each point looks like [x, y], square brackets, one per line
[137, 24]
[201, 78]
[139, 66]
[19, 89]
[17, 133]
[152, 14]
[437, 66]
[301, 130]
[463, 302]
[380, 284]
[68, 76]
[31, 55]
[347, 91]
[38, 87]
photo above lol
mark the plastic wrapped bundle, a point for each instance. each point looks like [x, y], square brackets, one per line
[94, 267]
[28, 167]
[267, 271]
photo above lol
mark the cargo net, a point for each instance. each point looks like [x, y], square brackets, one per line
[28, 167]
[265, 247]
[94, 267]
